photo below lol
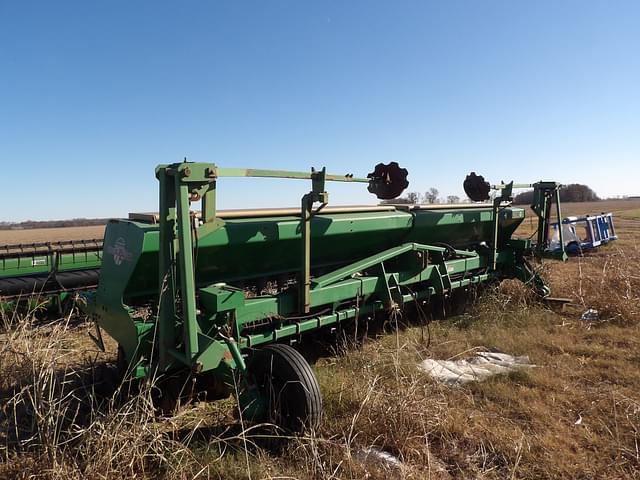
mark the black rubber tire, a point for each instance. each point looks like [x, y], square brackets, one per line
[289, 386]
[574, 248]
[121, 362]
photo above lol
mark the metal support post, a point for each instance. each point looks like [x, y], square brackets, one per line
[166, 268]
[506, 192]
[305, 279]
[185, 264]
[494, 247]
[563, 254]
[317, 194]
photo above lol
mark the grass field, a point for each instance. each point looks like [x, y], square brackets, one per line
[576, 415]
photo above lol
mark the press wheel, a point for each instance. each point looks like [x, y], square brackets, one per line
[287, 387]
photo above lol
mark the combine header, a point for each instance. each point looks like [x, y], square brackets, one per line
[46, 274]
[223, 295]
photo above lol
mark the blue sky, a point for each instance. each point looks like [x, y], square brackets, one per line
[94, 94]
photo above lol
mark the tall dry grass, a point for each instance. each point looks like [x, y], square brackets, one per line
[607, 280]
[65, 420]
[64, 413]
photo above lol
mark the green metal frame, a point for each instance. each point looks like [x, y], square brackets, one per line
[180, 184]
[544, 195]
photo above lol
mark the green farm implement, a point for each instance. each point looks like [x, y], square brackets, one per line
[48, 274]
[223, 295]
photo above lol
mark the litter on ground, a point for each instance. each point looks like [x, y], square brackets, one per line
[376, 457]
[480, 367]
[590, 315]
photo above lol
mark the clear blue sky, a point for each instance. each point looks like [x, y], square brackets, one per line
[94, 94]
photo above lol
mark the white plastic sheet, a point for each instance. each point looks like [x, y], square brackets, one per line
[480, 367]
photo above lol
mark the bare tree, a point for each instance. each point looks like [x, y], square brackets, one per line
[431, 195]
[453, 199]
[413, 197]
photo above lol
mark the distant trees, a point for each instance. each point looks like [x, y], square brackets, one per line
[413, 197]
[523, 198]
[577, 193]
[431, 195]
[410, 198]
[574, 192]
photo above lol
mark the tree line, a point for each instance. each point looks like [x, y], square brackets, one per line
[430, 196]
[574, 192]
[74, 222]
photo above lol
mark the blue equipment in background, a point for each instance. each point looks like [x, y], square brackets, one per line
[583, 233]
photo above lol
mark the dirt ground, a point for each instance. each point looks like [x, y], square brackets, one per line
[37, 235]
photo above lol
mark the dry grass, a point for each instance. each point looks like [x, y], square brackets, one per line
[576, 415]
[65, 414]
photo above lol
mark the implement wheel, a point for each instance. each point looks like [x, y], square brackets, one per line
[287, 388]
